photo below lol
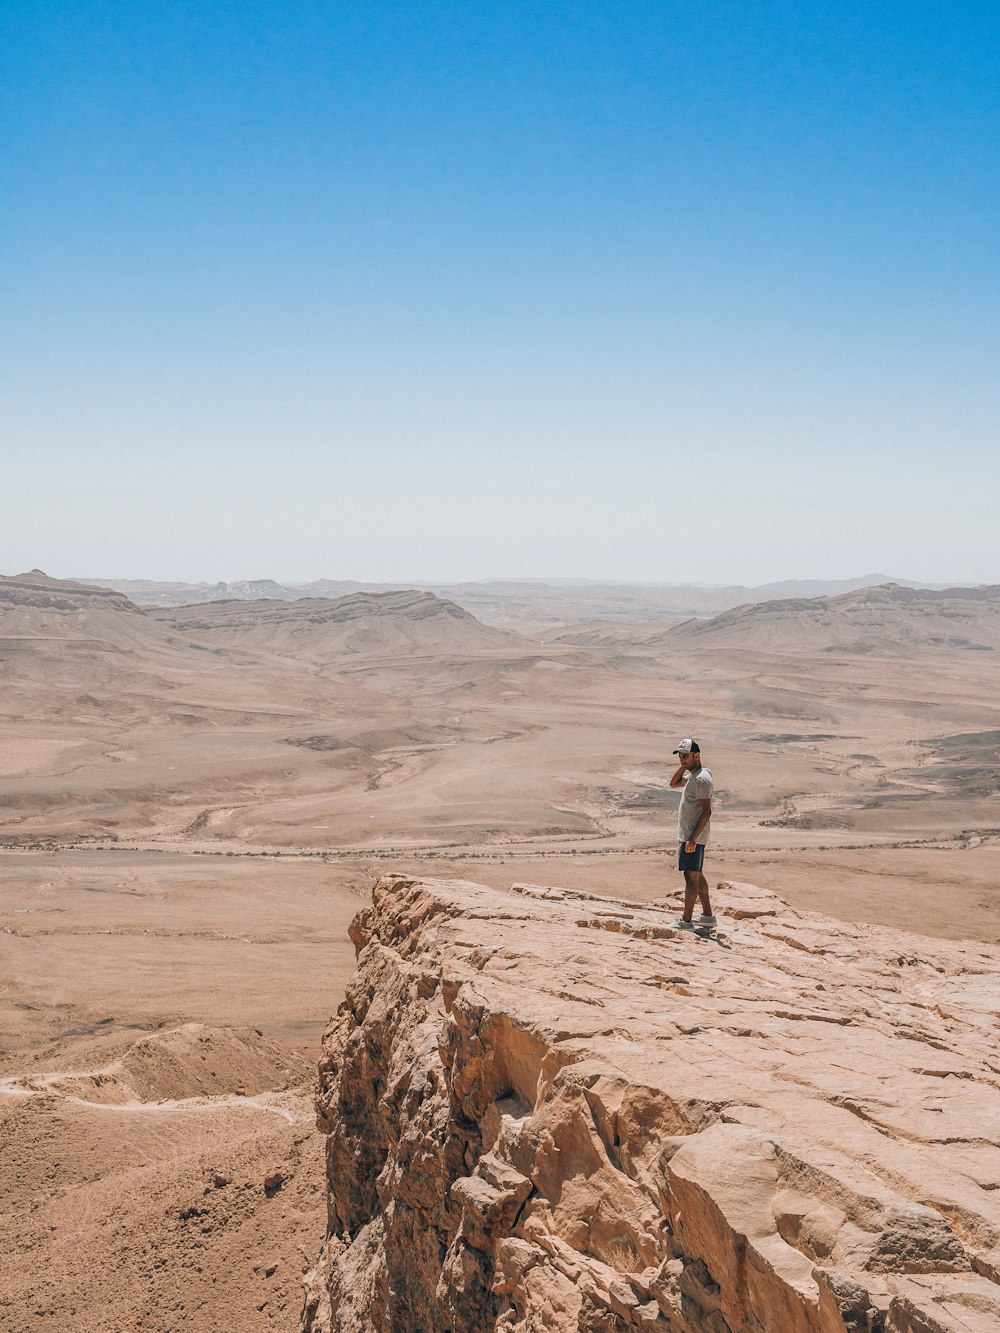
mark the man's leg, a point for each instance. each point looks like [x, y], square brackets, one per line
[692, 890]
[701, 891]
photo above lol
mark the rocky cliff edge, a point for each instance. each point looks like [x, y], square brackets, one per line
[551, 1111]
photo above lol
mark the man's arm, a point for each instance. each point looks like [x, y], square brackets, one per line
[678, 779]
[700, 827]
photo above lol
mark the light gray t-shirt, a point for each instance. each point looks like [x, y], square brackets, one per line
[697, 787]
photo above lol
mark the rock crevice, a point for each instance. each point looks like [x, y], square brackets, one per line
[532, 1125]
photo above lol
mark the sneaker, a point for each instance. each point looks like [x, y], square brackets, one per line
[681, 924]
[705, 922]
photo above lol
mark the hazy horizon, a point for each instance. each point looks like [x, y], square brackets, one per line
[678, 292]
[411, 580]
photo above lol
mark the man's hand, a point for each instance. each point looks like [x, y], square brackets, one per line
[690, 848]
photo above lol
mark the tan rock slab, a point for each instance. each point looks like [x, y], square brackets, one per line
[551, 1110]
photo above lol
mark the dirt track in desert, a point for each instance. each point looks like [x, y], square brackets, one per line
[195, 802]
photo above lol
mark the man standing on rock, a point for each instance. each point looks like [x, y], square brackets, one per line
[695, 783]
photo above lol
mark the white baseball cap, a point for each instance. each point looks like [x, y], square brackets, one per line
[688, 746]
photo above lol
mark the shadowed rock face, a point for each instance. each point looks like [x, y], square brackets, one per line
[548, 1110]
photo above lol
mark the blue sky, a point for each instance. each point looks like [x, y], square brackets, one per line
[648, 291]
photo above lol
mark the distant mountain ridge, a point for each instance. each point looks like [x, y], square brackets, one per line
[519, 602]
[860, 621]
[36, 589]
[882, 618]
[381, 623]
[36, 609]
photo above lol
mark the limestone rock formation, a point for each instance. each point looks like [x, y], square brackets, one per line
[551, 1111]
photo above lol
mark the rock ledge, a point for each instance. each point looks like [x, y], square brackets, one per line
[550, 1111]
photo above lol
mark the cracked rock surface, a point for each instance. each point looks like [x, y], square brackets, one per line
[547, 1110]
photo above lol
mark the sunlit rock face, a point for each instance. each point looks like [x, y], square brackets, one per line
[551, 1111]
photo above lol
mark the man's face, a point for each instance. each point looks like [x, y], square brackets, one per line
[689, 760]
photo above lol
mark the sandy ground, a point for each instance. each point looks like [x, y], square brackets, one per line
[161, 1017]
[186, 833]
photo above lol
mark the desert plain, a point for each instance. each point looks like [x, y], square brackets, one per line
[196, 798]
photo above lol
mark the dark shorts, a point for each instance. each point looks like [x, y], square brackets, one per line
[690, 860]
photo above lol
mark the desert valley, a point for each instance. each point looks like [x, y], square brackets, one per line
[201, 788]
